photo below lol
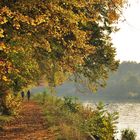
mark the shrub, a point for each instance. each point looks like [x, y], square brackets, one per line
[100, 123]
[71, 104]
[12, 105]
[72, 120]
[128, 134]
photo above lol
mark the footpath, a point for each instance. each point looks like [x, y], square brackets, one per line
[30, 125]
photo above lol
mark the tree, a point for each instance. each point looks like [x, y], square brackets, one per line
[56, 39]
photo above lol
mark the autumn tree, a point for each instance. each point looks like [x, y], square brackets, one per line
[56, 39]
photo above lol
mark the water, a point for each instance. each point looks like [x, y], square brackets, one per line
[129, 116]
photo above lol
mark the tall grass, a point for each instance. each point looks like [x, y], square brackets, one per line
[68, 119]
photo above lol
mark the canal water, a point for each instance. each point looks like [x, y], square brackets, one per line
[129, 116]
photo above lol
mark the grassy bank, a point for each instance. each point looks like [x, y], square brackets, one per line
[68, 119]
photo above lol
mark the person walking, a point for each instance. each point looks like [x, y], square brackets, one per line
[22, 95]
[28, 95]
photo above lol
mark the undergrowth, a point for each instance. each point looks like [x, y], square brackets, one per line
[68, 119]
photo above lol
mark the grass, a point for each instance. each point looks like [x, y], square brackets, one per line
[69, 119]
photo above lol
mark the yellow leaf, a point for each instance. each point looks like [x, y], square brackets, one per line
[4, 78]
[2, 46]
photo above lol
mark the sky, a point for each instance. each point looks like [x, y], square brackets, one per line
[127, 39]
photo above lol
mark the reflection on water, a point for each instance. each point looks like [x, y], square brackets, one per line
[129, 116]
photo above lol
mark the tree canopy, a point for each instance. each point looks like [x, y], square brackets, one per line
[56, 39]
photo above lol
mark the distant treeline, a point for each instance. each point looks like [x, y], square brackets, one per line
[122, 85]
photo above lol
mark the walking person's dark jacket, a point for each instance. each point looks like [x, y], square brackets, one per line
[28, 94]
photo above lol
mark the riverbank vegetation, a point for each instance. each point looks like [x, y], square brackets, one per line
[69, 119]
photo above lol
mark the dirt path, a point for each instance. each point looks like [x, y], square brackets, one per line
[29, 126]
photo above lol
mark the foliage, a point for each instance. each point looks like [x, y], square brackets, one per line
[58, 36]
[101, 124]
[52, 40]
[84, 123]
[10, 105]
[128, 134]
[70, 104]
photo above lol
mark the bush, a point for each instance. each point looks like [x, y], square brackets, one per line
[128, 134]
[69, 119]
[71, 104]
[11, 105]
[100, 124]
